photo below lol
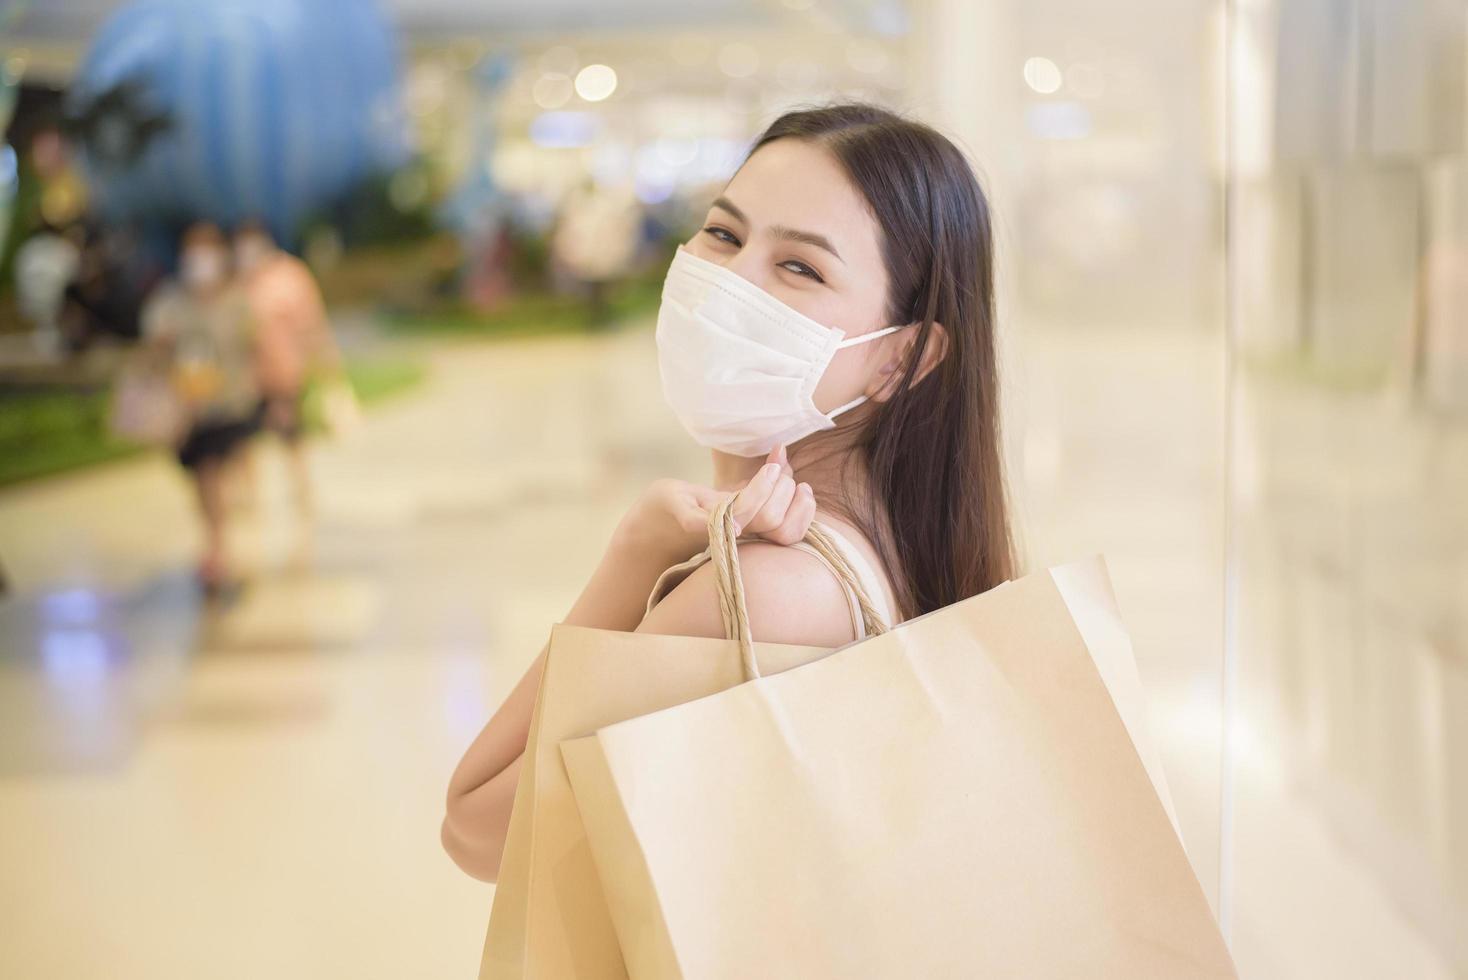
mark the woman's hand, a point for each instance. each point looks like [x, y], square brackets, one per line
[668, 523]
[672, 515]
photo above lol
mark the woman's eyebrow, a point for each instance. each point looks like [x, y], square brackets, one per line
[782, 231]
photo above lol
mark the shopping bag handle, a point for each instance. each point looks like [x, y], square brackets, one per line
[723, 535]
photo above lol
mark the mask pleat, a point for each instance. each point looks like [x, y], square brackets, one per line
[737, 367]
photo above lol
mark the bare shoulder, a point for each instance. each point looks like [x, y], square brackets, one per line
[790, 594]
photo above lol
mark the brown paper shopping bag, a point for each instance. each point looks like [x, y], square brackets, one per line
[960, 797]
[549, 919]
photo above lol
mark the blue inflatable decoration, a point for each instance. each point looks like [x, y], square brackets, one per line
[225, 109]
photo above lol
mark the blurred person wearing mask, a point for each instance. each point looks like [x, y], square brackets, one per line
[202, 322]
[293, 340]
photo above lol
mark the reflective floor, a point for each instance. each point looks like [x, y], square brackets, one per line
[1350, 747]
[257, 792]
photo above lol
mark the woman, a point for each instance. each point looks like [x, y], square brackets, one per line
[829, 334]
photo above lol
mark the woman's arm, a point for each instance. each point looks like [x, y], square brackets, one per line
[666, 526]
[479, 855]
[482, 787]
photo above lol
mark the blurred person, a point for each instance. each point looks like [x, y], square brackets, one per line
[828, 334]
[293, 340]
[87, 300]
[44, 264]
[596, 240]
[202, 323]
[104, 297]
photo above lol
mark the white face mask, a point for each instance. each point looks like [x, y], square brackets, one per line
[203, 266]
[739, 366]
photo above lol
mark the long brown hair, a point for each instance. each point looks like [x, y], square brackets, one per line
[937, 510]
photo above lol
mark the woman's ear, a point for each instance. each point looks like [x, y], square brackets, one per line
[884, 383]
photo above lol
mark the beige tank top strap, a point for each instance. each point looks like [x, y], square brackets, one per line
[866, 573]
[672, 575]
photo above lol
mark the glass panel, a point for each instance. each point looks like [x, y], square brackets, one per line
[1098, 138]
[1346, 790]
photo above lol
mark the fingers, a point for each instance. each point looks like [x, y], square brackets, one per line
[764, 505]
[773, 512]
[704, 498]
[693, 514]
[798, 515]
[753, 495]
[780, 456]
[695, 503]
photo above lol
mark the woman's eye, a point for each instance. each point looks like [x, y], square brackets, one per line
[809, 272]
[718, 234]
[722, 235]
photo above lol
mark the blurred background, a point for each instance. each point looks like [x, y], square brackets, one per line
[1233, 296]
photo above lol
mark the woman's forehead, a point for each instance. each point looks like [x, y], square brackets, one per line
[802, 187]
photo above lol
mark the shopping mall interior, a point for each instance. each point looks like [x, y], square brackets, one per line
[1231, 279]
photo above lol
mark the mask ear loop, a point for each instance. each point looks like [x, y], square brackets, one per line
[852, 342]
[873, 335]
[848, 406]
